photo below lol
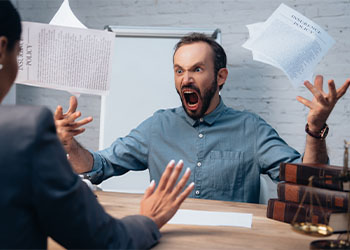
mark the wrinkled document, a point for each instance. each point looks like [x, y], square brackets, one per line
[73, 59]
[209, 218]
[289, 41]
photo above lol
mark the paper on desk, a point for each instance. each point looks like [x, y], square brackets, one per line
[290, 42]
[73, 59]
[207, 218]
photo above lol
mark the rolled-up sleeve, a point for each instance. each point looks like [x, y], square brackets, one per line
[127, 153]
[272, 150]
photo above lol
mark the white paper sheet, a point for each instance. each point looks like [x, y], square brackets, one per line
[72, 59]
[208, 218]
[66, 17]
[290, 42]
[254, 29]
[66, 59]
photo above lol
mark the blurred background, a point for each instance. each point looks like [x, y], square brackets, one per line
[251, 85]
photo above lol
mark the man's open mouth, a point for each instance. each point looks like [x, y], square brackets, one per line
[191, 98]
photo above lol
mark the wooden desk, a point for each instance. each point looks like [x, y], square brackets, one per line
[264, 234]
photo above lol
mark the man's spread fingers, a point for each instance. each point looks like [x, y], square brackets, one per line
[73, 104]
[58, 113]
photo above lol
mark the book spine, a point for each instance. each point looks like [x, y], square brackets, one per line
[326, 198]
[299, 174]
[285, 212]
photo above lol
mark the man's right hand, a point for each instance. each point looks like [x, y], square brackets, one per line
[66, 125]
[161, 204]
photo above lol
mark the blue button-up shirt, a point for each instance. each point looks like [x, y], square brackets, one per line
[226, 151]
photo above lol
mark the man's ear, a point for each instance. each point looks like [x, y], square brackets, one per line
[3, 48]
[222, 76]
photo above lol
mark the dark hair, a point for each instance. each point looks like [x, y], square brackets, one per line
[10, 23]
[219, 55]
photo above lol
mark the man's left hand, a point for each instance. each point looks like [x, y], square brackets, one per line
[322, 104]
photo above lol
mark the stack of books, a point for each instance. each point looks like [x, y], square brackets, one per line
[325, 202]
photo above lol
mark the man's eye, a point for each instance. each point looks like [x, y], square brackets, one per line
[198, 69]
[179, 71]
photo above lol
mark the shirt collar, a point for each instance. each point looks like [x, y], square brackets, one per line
[209, 119]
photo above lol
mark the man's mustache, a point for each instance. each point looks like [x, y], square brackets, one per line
[191, 86]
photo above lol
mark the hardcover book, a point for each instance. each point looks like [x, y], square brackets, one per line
[328, 198]
[300, 173]
[285, 212]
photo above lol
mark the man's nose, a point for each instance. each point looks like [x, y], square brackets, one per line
[187, 78]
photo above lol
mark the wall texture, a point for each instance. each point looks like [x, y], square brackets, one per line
[251, 85]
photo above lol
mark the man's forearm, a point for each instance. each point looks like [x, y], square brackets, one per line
[315, 151]
[80, 158]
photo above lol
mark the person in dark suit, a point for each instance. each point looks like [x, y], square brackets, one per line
[40, 194]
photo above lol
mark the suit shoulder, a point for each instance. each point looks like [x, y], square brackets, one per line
[19, 111]
[21, 126]
[25, 117]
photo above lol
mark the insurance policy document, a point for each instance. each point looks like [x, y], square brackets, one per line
[72, 59]
[289, 41]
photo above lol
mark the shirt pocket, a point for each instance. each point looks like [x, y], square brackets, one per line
[227, 170]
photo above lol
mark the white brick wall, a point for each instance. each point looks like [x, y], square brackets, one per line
[251, 85]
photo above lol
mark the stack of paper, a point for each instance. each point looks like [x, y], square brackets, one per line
[289, 41]
[66, 55]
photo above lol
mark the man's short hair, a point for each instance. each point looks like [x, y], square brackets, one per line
[10, 23]
[219, 55]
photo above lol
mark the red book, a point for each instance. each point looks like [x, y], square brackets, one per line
[328, 198]
[285, 211]
[299, 173]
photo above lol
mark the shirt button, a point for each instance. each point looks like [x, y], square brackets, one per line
[201, 119]
[200, 135]
[197, 192]
[199, 164]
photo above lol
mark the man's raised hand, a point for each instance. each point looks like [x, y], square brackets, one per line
[66, 125]
[322, 104]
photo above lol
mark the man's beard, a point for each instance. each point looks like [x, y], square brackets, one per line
[206, 98]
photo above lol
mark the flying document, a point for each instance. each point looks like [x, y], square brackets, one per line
[66, 58]
[289, 41]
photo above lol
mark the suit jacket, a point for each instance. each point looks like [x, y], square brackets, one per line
[41, 196]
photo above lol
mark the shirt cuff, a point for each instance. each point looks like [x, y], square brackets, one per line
[96, 174]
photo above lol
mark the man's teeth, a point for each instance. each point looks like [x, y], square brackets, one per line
[191, 98]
